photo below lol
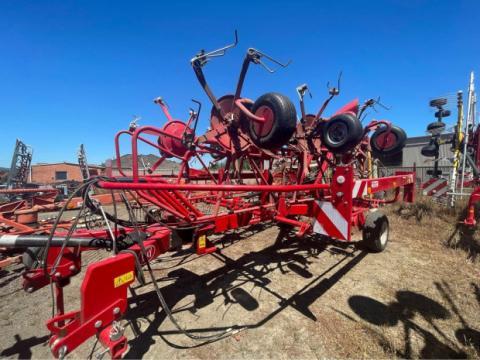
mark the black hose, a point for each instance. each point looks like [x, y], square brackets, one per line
[160, 296]
[133, 223]
[87, 184]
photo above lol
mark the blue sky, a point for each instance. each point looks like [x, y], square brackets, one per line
[76, 71]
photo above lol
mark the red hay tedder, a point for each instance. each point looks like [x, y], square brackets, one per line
[313, 175]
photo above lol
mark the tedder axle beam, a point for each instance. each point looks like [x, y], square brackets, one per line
[24, 241]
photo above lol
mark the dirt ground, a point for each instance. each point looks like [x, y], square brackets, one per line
[304, 299]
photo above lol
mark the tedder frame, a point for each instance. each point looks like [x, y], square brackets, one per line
[313, 176]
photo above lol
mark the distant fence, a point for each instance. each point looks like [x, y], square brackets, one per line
[421, 171]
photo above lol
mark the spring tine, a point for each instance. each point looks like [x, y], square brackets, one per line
[265, 66]
[272, 59]
[203, 56]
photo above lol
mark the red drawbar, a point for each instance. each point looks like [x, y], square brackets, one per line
[103, 300]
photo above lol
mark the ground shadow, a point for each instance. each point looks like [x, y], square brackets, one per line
[9, 275]
[463, 237]
[22, 347]
[185, 256]
[465, 335]
[229, 281]
[403, 311]
[476, 291]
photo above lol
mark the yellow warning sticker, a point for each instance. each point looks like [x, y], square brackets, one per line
[123, 279]
[202, 241]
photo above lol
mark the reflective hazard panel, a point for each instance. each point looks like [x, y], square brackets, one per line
[202, 241]
[333, 217]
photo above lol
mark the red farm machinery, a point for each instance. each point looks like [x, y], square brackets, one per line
[257, 162]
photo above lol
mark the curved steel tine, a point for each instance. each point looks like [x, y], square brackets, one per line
[265, 67]
[258, 55]
[335, 90]
[217, 52]
[338, 80]
[273, 60]
[216, 55]
[197, 116]
[382, 105]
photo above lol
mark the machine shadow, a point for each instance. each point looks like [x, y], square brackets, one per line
[227, 281]
[185, 256]
[402, 311]
[463, 238]
[22, 347]
[10, 275]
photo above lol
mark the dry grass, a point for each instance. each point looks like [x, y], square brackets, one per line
[448, 250]
[420, 298]
[441, 223]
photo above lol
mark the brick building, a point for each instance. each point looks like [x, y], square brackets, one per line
[61, 172]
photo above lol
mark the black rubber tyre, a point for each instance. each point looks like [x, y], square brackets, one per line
[284, 124]
[342, 133]
[431, 150]
[436, 127]
[376, 231]
[442, 113]
[400, 141]
[438, 102]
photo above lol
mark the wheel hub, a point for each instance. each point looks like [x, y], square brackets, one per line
[337, 133]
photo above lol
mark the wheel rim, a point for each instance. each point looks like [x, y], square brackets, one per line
[384, 234]
[386, 140]
[337, 133]
[263, 129]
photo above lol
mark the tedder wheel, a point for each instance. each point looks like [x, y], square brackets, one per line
[376, 231]
[280, 121]
[342, 133]
[438, 102]
[432, 149]
[388, 143]
[436, 127]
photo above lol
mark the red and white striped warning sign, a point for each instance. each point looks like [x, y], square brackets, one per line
[359, 189]
[333, 217]
[330, 222]
[435, 187]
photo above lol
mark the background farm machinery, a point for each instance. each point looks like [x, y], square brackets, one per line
[20, 202]
[313, 175]
[465, 148]
[27, 208]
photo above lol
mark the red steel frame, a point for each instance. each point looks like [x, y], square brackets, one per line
[104, 297]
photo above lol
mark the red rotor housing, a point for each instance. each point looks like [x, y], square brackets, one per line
[172, 139]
